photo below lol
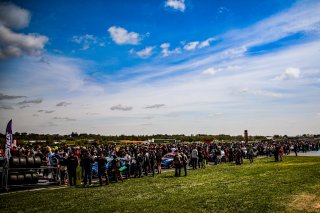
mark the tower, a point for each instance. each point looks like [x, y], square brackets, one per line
[246, 136]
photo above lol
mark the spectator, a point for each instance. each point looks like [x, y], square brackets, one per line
[72, 164]
[194, 158]
[102, 172]
[87, 166]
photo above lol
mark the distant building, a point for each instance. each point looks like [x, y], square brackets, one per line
[164, 141]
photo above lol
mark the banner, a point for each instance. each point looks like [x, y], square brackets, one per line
[8, 140]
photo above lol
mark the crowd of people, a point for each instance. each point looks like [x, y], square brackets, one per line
[136, 161]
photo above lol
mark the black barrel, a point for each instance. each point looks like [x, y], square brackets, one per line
[30, 162]
[13, 179]
[28, 178]
[20, 179]
[22, 162]
[14, 162]
[35, 178]
[37, 161]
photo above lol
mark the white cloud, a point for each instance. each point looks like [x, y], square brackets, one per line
[64, 119]
[197, 44]
[205, 43]
[166, 51]
[176, 4]
[12, 16]
[191, 45]
[35, 101]
[121, 36]
[165, 45]
[210, 71]
[87, 41]
[290, 73]
[223, 10]
[17, 44]
[155, 106]
[62, 104]
[145, 53]
[121, 108]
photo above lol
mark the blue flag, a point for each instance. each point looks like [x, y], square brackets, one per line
[8, 140]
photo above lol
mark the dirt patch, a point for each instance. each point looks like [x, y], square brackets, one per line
[305, 202]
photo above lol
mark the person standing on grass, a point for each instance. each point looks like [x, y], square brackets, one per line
[127, 160]
[194, 158]
[204, 160]
[200, 158]
[152, 161]
[139, 163]
[177, 163]
[116, 165]
[281, 152]
[226, 153]
[87, 166]
[102, 172]
[185, 163]
[158, 159]
[72, 164]
[146, 165]
[295, 149]
[63, 167]
[218, 155]
[238, 156]
[250, 154]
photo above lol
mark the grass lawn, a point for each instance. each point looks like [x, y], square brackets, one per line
[264, 186]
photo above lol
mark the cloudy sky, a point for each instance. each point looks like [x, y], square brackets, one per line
[162, 66]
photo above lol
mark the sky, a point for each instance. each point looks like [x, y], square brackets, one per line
[160, 67]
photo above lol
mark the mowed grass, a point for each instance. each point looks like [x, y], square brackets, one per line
[264, 186]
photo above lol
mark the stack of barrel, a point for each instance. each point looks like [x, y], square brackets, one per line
[25, 170]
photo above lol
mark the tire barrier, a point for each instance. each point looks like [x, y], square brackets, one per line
[25, 162]
[37, 162]
[20, 179]
[22, 162]
[35, 178]
[28, 178]
[30, 162]
[13, 180]
[14, 162]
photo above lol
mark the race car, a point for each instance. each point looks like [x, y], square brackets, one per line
[168, 160]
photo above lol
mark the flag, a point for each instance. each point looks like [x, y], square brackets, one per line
[8, 140]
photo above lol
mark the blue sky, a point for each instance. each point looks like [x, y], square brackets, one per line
[165, 66]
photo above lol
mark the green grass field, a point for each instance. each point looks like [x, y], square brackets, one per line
[264, 186]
